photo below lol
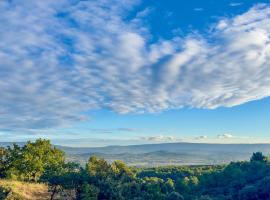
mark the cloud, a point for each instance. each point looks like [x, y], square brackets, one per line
[159, 138]
[112, 130]
[225, 136]
[236, 4]
[59, 59]
[93, 142]
[201, 137]
[127, 129]
[198, 9]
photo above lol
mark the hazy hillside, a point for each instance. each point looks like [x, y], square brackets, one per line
[163, 158]
[169, 154]
[172, 147]
[165, 153]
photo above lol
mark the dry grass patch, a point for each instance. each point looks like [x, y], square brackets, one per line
[26, 191]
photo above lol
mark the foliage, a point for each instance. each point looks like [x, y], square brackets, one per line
[30, 161]
[4, 192]
[3, 165]
[100, 180]
[258, 157]
[89, 192]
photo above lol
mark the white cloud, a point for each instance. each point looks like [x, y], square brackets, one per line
[201, 137]
[236, 4]
[159, 138]
[61, 58]
[198, 9]
[225, 136]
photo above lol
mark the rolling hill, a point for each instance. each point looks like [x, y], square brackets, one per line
[148, 155]
[169, 153]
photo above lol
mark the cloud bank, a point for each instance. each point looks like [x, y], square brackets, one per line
[59, 59]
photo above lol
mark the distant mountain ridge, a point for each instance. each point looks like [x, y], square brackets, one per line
[148, 155]
[152, 155]
[167, 147]
[171, 147]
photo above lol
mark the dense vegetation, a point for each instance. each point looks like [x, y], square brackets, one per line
[40, 162]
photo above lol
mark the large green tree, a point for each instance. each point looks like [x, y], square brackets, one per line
[32, 160]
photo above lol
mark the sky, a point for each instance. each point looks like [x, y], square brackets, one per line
[120, 72]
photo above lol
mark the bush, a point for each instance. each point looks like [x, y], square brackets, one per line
[175, 196]
[249, 193]
[89, 192]
[4, 192]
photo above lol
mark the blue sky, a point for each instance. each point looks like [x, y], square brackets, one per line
[95, 73]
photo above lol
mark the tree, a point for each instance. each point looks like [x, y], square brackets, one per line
[168, 186]
[13, 163]
[263, 187]
[4, 192]
[101, 174]
[31, 161]
[121, 171]
[3, 162]
[258, 157]
[174, 196]
[248, 193]
[98, 168]
[67, 176]
[89, 192]
[152, 188]
[39, 156]
[131, 190]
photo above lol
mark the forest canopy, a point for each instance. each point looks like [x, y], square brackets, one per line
[40, 161]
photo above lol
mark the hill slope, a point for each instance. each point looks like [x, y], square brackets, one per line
[171, 147]
[169, 153]
[24, 191]
[166, 153]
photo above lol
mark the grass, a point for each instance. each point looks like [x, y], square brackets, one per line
[25, 191]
